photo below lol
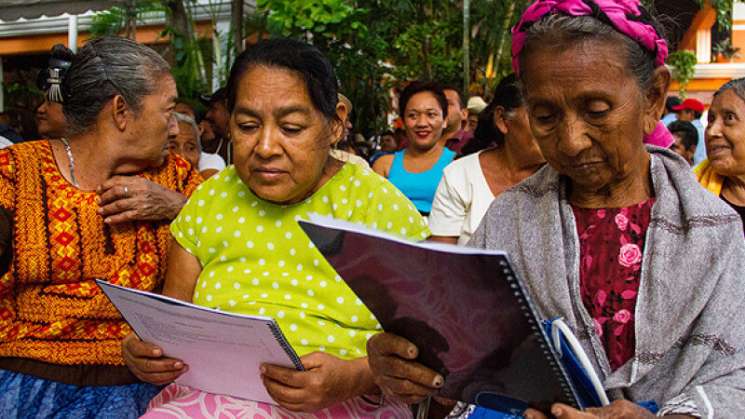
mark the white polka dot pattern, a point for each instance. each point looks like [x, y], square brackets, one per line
[256, 260]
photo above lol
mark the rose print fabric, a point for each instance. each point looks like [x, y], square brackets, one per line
[611, 248]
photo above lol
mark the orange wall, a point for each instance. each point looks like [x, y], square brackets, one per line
[43, 43]
[711, 85]
[738, 41]
[704, 19]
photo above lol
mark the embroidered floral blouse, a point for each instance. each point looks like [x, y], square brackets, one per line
[611, 249]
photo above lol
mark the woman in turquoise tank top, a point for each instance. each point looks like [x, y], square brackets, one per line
[417, 169]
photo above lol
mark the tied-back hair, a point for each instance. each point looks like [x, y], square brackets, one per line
[50, 78]
[736, 85]
[106, 67]
[419, 86]
[559, 30]
[300, 58]
[507, 95]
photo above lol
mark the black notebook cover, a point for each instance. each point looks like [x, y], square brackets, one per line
[465, 309]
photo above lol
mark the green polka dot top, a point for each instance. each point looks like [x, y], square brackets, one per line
[256, 260]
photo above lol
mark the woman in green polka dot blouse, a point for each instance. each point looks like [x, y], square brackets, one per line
[238, 246]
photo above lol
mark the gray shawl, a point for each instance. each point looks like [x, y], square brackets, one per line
[690, 312]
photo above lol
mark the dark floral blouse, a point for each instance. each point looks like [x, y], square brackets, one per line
[611, 249]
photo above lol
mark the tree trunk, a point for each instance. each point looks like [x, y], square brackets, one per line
[178, 18]
[237, 24]
[505, 33]
[466, 46]
[130, 24]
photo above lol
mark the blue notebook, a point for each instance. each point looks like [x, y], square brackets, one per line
[587, 384]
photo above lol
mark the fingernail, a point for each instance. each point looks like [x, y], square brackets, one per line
[262, 369]
[438, 381]
[412, 351]
[178, 365]
[107, 220]
[556, 411]
[98, 199]
[156, 352]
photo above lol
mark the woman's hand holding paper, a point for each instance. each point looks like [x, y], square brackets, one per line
[395, 371]
[146, 361]
[326, 381]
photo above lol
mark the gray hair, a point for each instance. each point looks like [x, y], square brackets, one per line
[558, 30]
[181, 117]
[736, 85]
[104, 68]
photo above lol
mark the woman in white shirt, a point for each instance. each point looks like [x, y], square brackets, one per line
[504, 153]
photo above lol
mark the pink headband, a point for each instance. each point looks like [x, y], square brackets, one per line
[617, 11]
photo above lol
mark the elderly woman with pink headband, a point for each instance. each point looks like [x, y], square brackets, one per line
[613, 235]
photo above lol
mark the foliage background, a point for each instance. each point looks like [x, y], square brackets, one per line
[375, 45]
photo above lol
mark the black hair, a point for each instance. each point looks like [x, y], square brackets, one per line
[60, 58]
[508, 95]
[305, 60]
[419, 86]
[671, 102]
[461, 97]
[687, 132]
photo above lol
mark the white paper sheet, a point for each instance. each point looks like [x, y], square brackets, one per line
[223, 350]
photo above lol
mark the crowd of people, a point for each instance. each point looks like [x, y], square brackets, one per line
[621, 211]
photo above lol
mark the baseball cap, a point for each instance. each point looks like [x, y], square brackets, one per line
[690, 104]
[476, 104]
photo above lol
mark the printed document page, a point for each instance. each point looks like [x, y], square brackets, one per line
[223, 350]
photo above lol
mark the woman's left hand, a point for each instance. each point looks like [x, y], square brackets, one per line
[326, 381]
[620, 409]
[134, 198]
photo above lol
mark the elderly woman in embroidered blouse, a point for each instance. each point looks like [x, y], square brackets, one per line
[74, 217]
[238, 245]
[617, 238]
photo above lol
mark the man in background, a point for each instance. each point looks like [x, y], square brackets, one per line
[476, 104]
[188, 142]
[215, 139]
[670, 115]
[453, 136]
[691, 111]
[686, 139]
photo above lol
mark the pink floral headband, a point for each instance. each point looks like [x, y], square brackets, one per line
[617, 12]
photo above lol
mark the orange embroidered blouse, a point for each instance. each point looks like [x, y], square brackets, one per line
[50, 308]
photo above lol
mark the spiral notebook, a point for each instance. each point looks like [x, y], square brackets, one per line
[223, 350]
[465, 309]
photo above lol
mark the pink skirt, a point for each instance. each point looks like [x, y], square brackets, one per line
[176, 401]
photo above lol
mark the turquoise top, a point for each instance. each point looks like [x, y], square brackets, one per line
[420, 188]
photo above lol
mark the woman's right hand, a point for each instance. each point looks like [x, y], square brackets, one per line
[146, 361]
[391, 360]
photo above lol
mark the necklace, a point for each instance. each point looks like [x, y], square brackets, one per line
[68, 149]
